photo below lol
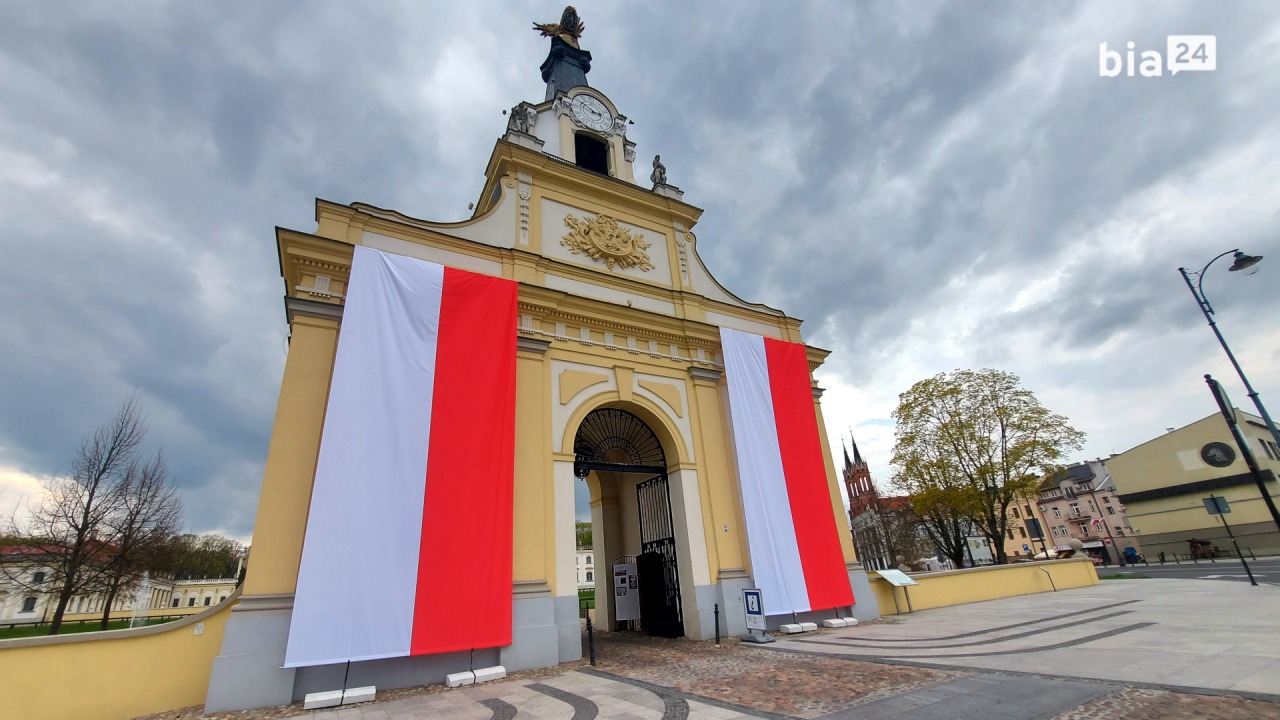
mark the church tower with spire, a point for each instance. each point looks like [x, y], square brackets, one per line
[857, 482]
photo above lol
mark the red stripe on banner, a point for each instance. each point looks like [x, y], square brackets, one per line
[806, 475]
[464, 569]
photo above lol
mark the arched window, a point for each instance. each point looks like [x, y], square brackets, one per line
[176, 601]
[207, 600]
[191, 601]
[589, 578]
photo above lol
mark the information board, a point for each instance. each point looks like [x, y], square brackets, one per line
[897, 578]
[626, 592]
[753, 604]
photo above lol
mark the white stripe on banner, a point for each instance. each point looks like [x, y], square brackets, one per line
[771, 536]
[359, 571]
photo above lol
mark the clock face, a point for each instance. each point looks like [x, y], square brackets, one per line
[592, 113]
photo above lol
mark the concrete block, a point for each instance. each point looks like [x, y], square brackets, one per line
[850, 622]
[328, 698]
[808, 626]
[459, 679]
[791, 628]
[833, 623]
[359, 694]
[497, 672]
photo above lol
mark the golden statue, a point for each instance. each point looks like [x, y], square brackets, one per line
[569, 29]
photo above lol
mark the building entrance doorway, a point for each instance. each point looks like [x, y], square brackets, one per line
[613, 446]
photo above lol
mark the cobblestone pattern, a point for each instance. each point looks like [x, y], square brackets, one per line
[800, 686]
[1144, 704]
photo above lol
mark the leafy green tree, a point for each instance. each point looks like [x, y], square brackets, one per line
[971, 443]
[583, 531]
[194, 557]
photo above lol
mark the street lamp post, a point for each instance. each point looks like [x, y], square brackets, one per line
[1248, 264]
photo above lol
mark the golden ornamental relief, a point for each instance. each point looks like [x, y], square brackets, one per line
[602, 239]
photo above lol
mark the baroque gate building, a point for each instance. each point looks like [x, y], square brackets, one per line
[619, 379]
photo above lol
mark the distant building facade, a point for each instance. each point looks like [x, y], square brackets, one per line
[586, 569]
[1163, 484]
[1081, 502]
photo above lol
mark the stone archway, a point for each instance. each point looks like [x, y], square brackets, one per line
[625, 467]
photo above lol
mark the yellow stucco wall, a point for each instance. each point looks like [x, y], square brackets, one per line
[112, 675]
[957, 587]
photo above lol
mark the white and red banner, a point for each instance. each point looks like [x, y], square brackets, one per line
[791, 530]
[408, 545]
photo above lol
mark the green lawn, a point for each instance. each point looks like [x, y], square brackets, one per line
[67, 629]
[586, 599]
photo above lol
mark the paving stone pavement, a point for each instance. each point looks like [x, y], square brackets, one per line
[640, 678]
[809, 678]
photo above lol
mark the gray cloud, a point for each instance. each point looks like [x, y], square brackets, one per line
[946, 186]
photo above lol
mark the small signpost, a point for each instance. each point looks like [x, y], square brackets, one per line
[898, 579]
[1218, 506]
[753, 605]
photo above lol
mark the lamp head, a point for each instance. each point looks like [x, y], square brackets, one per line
[1247, 264]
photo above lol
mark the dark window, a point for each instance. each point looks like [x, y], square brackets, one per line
[589, 576]
[175, 602]
[1015, 512]
[37, 578]
[592, 153]
[191, 602]
[28, 604]
[1022, 532]
[208, 600]
[1027, 509]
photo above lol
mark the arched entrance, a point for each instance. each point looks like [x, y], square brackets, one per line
[616, 447]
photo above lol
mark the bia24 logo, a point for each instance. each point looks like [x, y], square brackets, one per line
[1196, 53]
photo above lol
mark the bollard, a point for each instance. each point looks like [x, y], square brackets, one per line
[717, 624]
[591, 642]
[1161, 557]
[1251, 555]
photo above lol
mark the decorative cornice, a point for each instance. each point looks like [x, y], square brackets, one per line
[698, 373]
[295, 306]
[534, 345]
[817, 392]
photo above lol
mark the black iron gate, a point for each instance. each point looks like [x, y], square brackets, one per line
[656, 564]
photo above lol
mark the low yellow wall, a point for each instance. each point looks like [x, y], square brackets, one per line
[956, 587]
[112, 675]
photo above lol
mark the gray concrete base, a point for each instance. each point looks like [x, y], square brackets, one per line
[390, 673]
[866, 606]
[733, 618]
[247, 673]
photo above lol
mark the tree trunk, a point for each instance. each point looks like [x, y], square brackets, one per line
[106, 610]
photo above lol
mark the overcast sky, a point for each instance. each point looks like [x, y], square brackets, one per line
[929, 186]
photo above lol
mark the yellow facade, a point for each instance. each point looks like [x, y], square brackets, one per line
[1164, 481]
[598, 328]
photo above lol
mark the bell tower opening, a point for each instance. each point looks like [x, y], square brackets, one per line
[591, 153]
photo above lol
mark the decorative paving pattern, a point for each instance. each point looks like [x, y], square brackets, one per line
[1145, 704]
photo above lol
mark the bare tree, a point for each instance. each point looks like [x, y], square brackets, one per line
[148, 516]
[67, 531]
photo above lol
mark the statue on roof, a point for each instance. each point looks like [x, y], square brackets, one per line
[569, 29]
